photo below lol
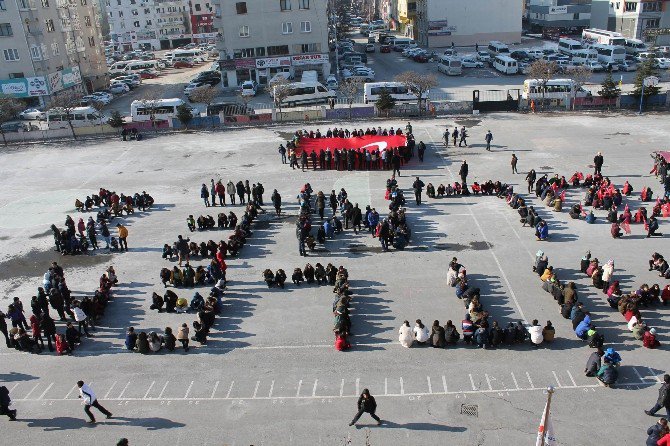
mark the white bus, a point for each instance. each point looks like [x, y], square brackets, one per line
[119, 67]
[402, 42]
[505, 65]
[449, 65]
[584, 55]
[569, 46]
[160, 109]
[57, 118]
[135, 66]
[609, 54]
[307, 93]
[593, 35]
[398, 91]
[555, 89]
[495, 48]
[634, 46]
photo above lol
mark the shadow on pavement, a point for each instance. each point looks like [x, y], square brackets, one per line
[69, 423]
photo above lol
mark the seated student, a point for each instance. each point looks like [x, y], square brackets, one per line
[222, 220]
[170, 298]
[653, 227]
[593, 364]
[167, 252]
[535, 331]
[590, 218]
[297, 276]
[72, 335]
[430, 190]
[320, 274]
[197, 302]
[308, 272]
[157, 302]
[62, 347]
[269, 277]
[280, 278]
[341, 342]
[548, 332]
[131, 339]
[575, 211]
[182, 305]
[649, 339]
[583, 327]
[542, 231]
[441, 190]
[155, 342]
[615, 230]
[607, 374]
[200, 332]
[190, 221]
[143, 344]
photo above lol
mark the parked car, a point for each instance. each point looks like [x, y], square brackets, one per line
[118, 88]
[370, 48]
[18, 126]
[611, 67]
[471, 62]
[627, 66]
[385, 48]
[662, 63]
[188, 89]
[535, 54]
[483, 56]
[103, 96]
[359, 73]
[594, 66]
[31, 114]
[182, 64]
[148, 74]
[249, 88]
[421, 56]
[331, 82]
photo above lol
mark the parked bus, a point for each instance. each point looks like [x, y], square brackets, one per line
[555, 89]
[307, 93]
[635, 47]
[135, 66]
[505, 65]
[397, 90]
[449, 65]
[593, 35]
[402, 42]
[119, 67]
[569, 47]
[159, 109]
[584, 55]
[57, 118]
[609, 54]
[495, 48]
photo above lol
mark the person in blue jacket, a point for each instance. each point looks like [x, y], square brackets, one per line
[542, 230]
[373, 220]
[583, 327]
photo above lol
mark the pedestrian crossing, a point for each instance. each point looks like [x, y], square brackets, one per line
[305, 388]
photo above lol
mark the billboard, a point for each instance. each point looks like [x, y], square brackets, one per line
[24, 87]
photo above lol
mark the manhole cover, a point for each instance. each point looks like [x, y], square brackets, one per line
[471, 410]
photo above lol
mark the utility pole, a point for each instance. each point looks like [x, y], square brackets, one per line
[550, 392]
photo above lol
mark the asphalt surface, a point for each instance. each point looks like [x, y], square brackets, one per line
[269, 374]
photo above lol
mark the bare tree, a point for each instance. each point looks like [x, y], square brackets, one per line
[204, 95]
[279, 90]
[150, 100]
[64, 104]
[580, 75]
[418, 84]
[543, 71]
[9, 108]
[350, 90]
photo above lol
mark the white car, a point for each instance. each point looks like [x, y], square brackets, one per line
[101, 96]
[359, 74]
[483, 56]
[594, 66]
[249, 88]
[118, 88]
[31, 114]
[471, 62]
[535, 54]
[662, 62]
[331, 82]
[358, 70]
[192, 86]
[627, 66]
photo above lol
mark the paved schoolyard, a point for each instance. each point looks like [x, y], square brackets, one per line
[270, 375]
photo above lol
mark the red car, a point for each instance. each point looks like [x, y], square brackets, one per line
[422, 58]
[385, 49]
[148, 74]
[182, 64]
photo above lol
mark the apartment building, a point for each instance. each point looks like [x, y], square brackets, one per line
[441, 23]
[202, 16]
[559, 14]
[646, 20]
[264, 37]
[48, 47]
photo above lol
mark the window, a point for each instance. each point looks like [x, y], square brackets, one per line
[575, 16]
[285, 5]
[134, 12]
[279, 50]
[260, 51]
[83, 2]
[244, 53]
[198, 7]
[148, 22]
[24, 4]
[309, 48]
[35, 52]
[136, 24]
[2, 5]
[241, 7]
[287, 28]
[244, 31]
[6, 30]
[45, 3]
[303, 4]
[652, 23]
[55, 50]
[305, 27]
[87, 20]
[630, 6]
[50, 25]
[16, 75]
[120, 13]
[651, 6]
[11, 54]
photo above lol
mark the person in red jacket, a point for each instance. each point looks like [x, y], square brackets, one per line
[648, 339]
[341, 343]
[37, 330]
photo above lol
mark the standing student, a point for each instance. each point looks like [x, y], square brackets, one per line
[463, 172]
[123, 235]
[488, 138]
[90, 399]
[418, 188]
[663, 399]
[366, 403]
[513, 163]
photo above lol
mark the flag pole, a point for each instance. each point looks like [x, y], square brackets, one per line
[550, 392]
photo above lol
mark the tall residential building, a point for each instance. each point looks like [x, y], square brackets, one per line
[646, 20]
[264, 37]
[50, 46]
[407, 18]
[441, 23]
[559, 14]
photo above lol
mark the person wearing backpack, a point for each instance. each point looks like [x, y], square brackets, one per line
[5, 401]
[593, 364]
[607, 374]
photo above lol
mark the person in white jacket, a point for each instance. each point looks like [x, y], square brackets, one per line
[421, 333]
[608, 271]
[536, 337]
[81, 318]
[406, 336]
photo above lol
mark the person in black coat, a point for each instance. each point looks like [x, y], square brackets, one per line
[598, 163]
[463, 172]
[366, 403]
[663, 398]
[656, 432]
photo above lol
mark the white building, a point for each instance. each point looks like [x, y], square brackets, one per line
[264, 37]
[149, 24]
[646, 20]
[49, 47]
[443, 22]
[559, 14]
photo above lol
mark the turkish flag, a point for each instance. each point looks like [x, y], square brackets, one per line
[366, 143]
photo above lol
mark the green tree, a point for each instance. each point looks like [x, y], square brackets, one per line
[645, 70]
[116, 120]
[609, 89]
[385, 102]
[184, 114]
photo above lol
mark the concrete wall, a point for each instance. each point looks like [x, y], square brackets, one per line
[476, 21]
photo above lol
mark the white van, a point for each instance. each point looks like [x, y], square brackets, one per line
[495, 48]
[135, 66]
[307, 93]
[402, 42]
[505, 65]
[450, 65]
[57, 118]
[569, 47]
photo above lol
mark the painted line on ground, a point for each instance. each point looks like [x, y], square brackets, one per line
[230, 389]
[160, 395]
[272, 387]
[188, 390]
[123, 391]
[149, 389]
[216, 386]
[31, 391]
[108, 392]
[45, 392]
